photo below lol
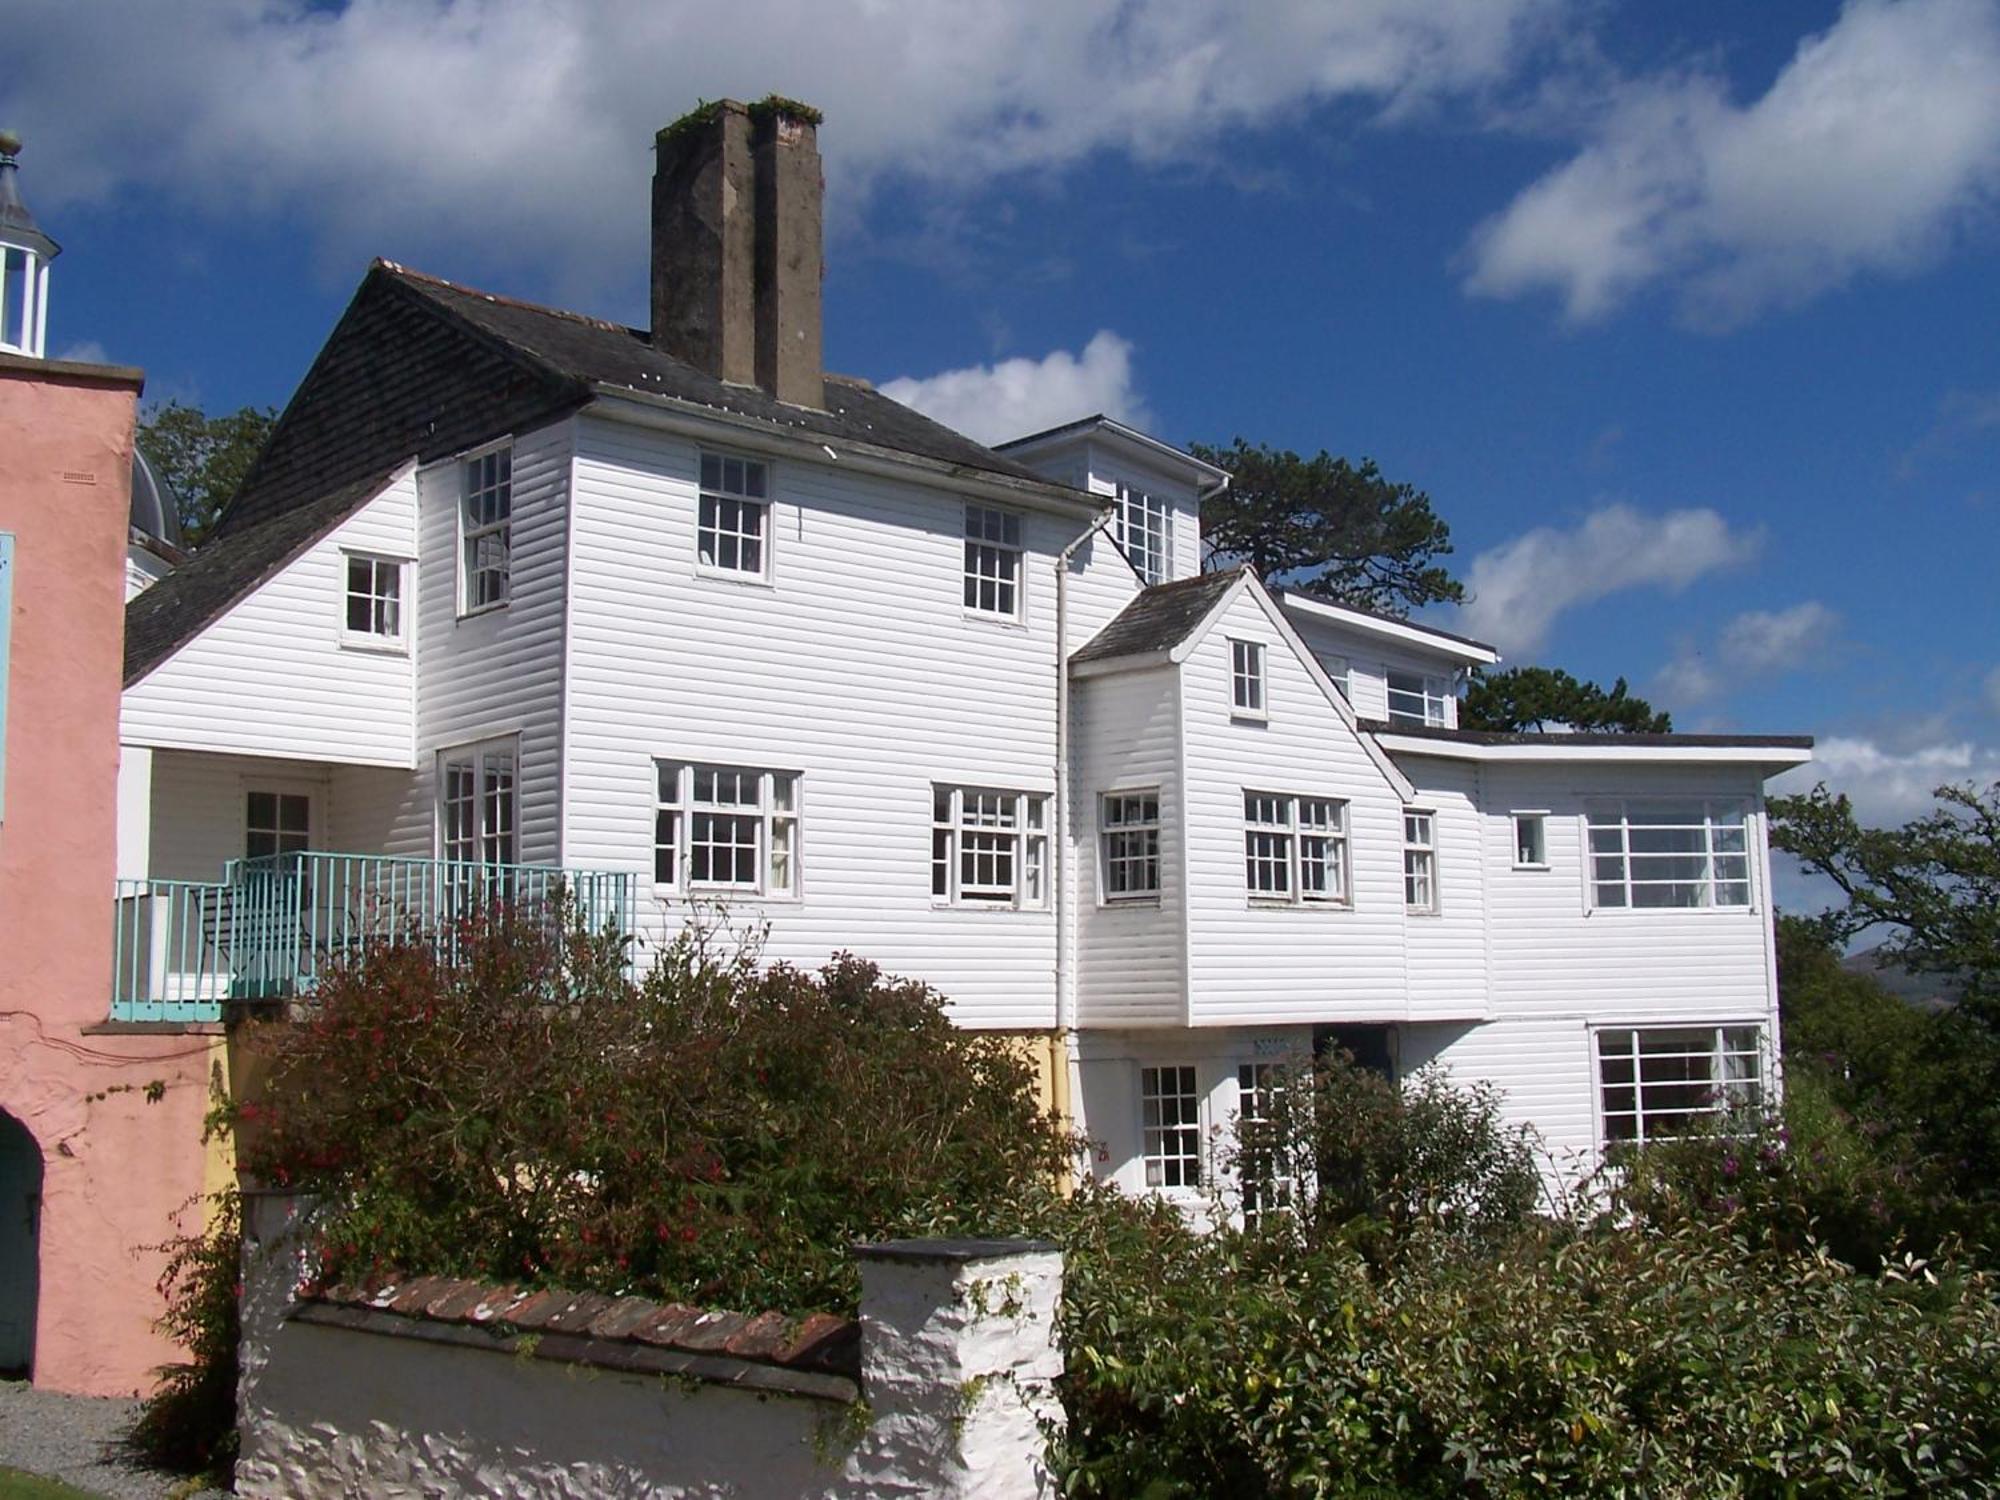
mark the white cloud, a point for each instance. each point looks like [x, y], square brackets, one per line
[1758, 643]
[1889, 786]
[84, 352]
[1015, 397]
[1874, 150]
[1515, 591]
[521, 129]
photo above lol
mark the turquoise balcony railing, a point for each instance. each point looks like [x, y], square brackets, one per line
[182, 949]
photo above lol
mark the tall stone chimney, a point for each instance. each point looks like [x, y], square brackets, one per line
[737, 246]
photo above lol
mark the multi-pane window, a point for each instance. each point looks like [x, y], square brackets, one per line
[276, 823]
[1420, 861]
[1170, 1121]
[735, 515]
[1294, 848]
[1659, 1081]
[1145, 532]
[989, 847]
[723, 828]
[1246, 677]
[375, 599]
[1417, 699]
[477, 810]
[992, 562]
[1263, 1165]
[1531, 841]
[1130, 835]
[487, 526]
[1670, 854]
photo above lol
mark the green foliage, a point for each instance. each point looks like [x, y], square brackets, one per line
[203, 459]
[716, 1133]
[1934, 883]
[1417, 1334]
[1533, 698]
[188, 1423]
[1324, 527]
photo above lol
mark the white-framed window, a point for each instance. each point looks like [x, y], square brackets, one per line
[1262, 1165]
[478, 803]
[486, 528]
[1420, 861]
[992, 562]
[726, 828]
[1170, 1127]
[1338, 671]
[1145, 533]
[1669, 855]
[734, 525]
[1531, 841]
[1295, 849]
[373, 615]
[1129, 835]
[276, 822]
[1246, 678]
[989, 847]
[1658, 1081]
[1417, 699]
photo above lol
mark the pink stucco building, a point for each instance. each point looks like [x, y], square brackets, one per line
[100, 1128]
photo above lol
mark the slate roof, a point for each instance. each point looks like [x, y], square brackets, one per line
[1160, 618]
[419, 368]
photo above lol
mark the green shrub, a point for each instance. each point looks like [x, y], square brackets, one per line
[188, 1423]
[714, 1132]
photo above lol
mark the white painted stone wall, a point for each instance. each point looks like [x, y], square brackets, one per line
[958, 1360]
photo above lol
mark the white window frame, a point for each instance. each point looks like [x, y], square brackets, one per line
[395, 642]
[1420, 864]
[1339, 671]
[988, 826]
[1249, 683]
[688, 795]
[1539, 817]
[1170, 1128]
[1128, 840]
[1424, 704]
[732, 516]
[1144, 530]
[995, 582]
[1301, 840]
[1621, 1065]
[491, 835]
[1612, 862]
[1256, 1087]
[487, 472]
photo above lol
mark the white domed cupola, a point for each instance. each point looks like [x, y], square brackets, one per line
[25, 253]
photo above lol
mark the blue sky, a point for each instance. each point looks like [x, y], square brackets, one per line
[1683, 315]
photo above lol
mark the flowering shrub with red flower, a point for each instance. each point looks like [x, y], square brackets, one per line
[513, 1105]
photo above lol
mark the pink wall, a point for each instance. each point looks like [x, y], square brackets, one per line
[117, 1168]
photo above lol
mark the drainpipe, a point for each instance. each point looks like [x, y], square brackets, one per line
[1059, 833]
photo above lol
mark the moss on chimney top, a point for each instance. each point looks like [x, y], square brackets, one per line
[778, 104]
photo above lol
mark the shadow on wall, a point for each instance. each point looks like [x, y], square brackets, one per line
[20, 1245]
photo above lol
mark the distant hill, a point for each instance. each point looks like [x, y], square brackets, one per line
[1924, 991]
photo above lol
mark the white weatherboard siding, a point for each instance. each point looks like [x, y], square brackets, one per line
[1253, 964]
[1369, 663]
[271, 675]
[856, 666]
[1447, 949]
[1543, 1069]
[1130, 954]
[498, 674]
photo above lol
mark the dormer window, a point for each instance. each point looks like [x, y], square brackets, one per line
[1145, 533]
[1417, 699]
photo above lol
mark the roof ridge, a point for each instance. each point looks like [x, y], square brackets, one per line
[406, 273]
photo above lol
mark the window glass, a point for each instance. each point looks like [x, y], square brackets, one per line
[1420, 861]
[734, 515]
[726, 828]
[276, 823]
[1417, 699]
[375, 597]
[1170, 1123]
[1263, 1166]
[487, 527]
[988, 847]
[1145, 532]
[1246, 663]
[992, 562]
[1131, 845]
[1294, 848]
[1662, 1081]
[1531, 842]
[477, 809]
[1669, 855]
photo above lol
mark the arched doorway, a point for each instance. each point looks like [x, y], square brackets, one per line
[20, 1244]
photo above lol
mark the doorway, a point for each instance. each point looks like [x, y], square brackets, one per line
[20, 1245]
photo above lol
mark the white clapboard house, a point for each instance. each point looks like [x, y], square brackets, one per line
[515, 595]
